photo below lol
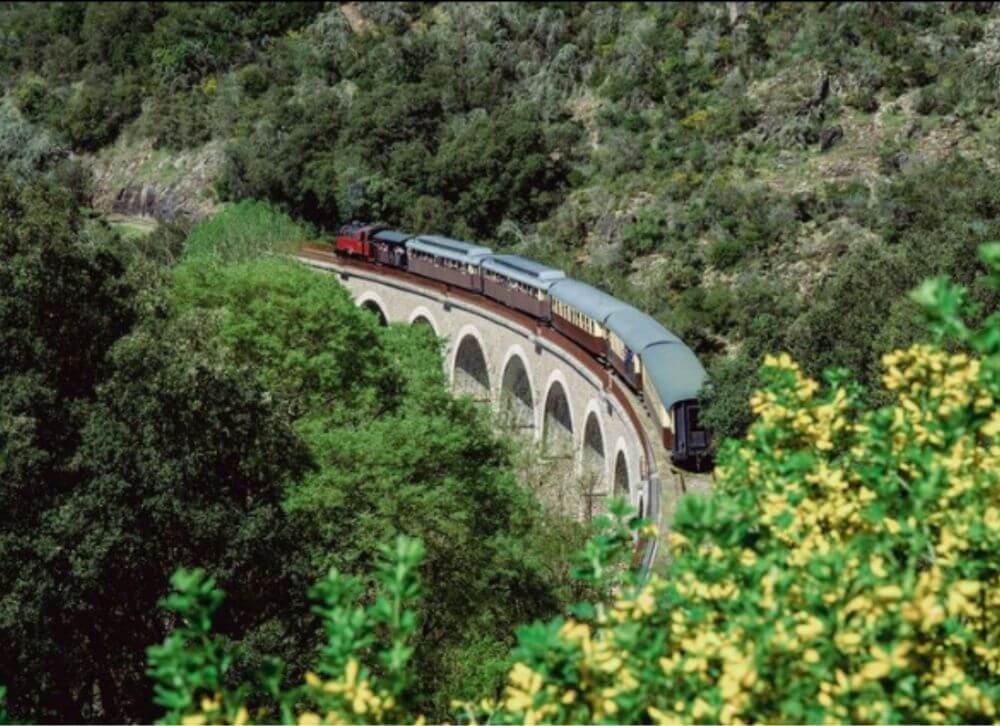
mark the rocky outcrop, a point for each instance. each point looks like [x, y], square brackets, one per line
[136, 180]
[146, 200]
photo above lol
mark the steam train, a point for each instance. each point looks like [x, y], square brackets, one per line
[650, 359]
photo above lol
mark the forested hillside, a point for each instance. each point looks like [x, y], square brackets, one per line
[759, 176]
[231, 496]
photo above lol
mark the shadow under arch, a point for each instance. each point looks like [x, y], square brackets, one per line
[421, 320]
[557, 430]
[471, 375]
[374, 308]
[517, 400]
[621, 482]
[593, 446]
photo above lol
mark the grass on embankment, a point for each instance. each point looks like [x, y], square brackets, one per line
[131, 227]
[243, 231]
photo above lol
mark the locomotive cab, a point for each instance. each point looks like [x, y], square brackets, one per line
[354, 239]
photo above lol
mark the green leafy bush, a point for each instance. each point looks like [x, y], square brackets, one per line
[357, 393]
[35, 99]
[139, 383]
[243, 231]
[726, 252]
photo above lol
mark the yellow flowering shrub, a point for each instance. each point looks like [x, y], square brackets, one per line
[846, 567]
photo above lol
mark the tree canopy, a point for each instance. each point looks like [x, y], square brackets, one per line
[240, 413]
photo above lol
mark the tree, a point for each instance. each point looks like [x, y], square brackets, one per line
[62, 306]
[106, 439]
[173, 416]
[359, 393]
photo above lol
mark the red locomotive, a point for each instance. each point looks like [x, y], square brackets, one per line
[354, 239]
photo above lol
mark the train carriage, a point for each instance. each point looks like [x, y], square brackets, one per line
[449, 260]
[520, 283]
[389, 247]
[673, 377]
[580, 311]
[629, 333]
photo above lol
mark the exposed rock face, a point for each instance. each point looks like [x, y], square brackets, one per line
[829, 137]
[737, 11]
[146, 200]
[136, 180]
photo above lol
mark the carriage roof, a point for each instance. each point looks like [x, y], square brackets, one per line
[674, 371]
[392, 236]
[586, 299]
[452, 249]
[638, 330]
[523, 270]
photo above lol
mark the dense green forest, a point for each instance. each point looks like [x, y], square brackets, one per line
[759, 176]
[178, 402]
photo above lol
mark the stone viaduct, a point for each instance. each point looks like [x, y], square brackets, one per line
[538, 382]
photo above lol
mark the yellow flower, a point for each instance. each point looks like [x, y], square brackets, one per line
[969, 588]
[884, 661]
[661, 718]
[811, 629]
[676, 539]
[889, 593]
[700, 710]
[877, 566]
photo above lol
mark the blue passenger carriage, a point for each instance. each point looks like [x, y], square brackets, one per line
[520, 283]
[656, 362]
[673, 377]
[580, 312]
[448, 260]
[629, 333]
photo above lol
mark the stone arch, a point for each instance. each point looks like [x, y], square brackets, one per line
[517, 392]
[593, 464]
[470, 372]
[373, 304]
[622, 481]
[422, 316]
[557, 427]
[593, 458]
